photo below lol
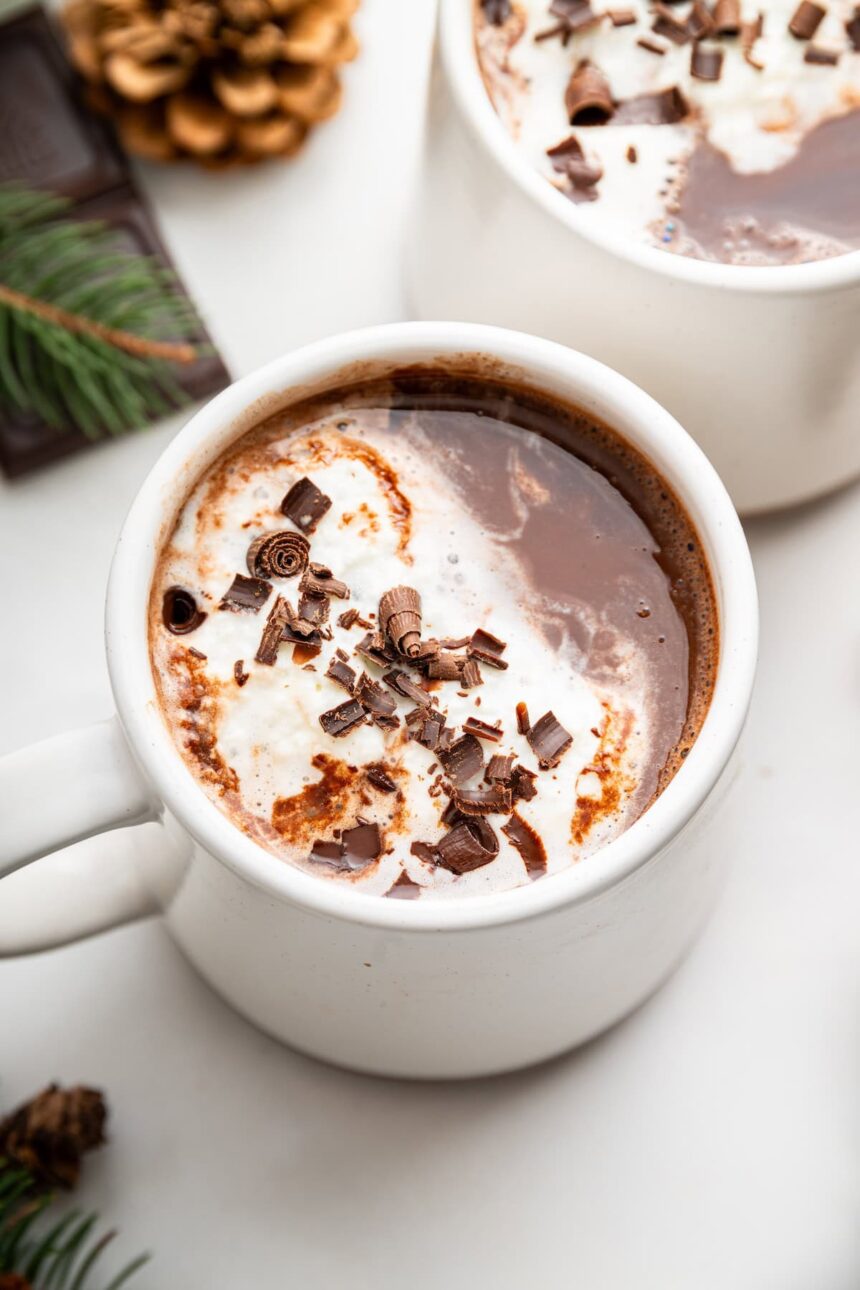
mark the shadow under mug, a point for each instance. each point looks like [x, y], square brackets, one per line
[408, 988]
[761, 365]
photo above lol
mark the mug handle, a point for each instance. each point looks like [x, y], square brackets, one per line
[62, 793]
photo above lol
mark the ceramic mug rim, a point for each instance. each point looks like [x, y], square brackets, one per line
[459, 60]
[546, 365]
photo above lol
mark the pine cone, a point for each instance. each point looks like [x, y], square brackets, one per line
[48, 1135]
[220, 81]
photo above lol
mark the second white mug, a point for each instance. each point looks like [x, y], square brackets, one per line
[761, 365]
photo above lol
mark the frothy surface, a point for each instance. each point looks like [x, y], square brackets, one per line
[442, 486]
[757, 122]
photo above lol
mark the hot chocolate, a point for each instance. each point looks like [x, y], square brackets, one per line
[433, 636]
[717, 130]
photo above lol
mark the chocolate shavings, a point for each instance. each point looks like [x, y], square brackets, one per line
[428, 730]
[549, 741]
[820, 56]
[357, 848]
[523, 784]
[400, 683]
[588, 98]
[806, 20]
[727, 17]
[494, 800]
[667, 24]
[246, 594]
[706, 63]
[404, 888]
[445, 666]
[471, 675]
[339, 670]
[482, 729]
[305, 505]
[400, 619]
[500, 767]
[568, 159]
[318, 580]
[273, 632]
[374, 647]
[852, 29]
[239, 674]
[314, 609]
[699, 21]
[653, 46]
[351, 617]
[666, 107]
[462, 760]
[523, 723]
[376, 701]
[622, 17]
[467, 846]
[345, 717]
[487, 648]
[424, 851]
[380, 778]
[529, 845]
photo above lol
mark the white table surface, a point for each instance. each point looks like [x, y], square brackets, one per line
[712, 1141]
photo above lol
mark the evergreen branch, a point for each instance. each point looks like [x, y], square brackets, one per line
[59, 1256]
[78, 325]
[90, 334]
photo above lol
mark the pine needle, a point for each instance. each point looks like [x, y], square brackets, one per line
[58, 1256]
[90, 334]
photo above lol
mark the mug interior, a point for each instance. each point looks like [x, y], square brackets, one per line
[462, 349]
[459, 60]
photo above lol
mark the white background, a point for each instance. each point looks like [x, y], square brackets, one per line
[712, 1141]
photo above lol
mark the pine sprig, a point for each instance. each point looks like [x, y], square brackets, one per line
[37, 1255]
[90, 334]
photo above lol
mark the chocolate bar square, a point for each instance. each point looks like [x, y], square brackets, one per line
[49, 140]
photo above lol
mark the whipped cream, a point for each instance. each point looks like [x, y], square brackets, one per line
[757, 118]
[397, 517]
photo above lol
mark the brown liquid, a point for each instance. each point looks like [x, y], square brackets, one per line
[608, 555]
[774, 216]
[608, 534]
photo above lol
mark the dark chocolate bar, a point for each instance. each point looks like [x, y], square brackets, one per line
[49, 140]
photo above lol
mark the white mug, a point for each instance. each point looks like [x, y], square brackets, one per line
[761, 365]
[408, 988]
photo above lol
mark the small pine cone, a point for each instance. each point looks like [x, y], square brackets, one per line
[48, 1135]
[218, 81]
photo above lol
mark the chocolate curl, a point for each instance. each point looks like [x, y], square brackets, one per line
[400, 619]
[180, 612]
[278, 555]
[467, 846]
[588, 98]
[806, 20]
[727, 17]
